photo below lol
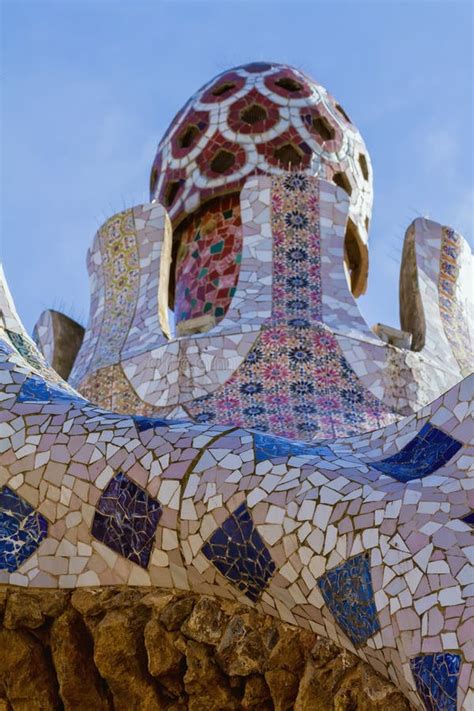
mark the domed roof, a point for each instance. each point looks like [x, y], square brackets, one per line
[259, 118]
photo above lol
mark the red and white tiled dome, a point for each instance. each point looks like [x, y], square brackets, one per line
[259, 118]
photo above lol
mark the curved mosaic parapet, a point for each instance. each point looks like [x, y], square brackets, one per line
[59, 339]
[366, 540]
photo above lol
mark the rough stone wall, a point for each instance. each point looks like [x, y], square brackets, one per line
[130, 649]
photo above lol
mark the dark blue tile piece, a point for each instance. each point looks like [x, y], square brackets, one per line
[347, 591]
[147, 423]
[429, 450]
[469, 518]
[238, 552]
[35, 389]
[436, 679]
[126, 519]
[21, 530]
[268, 447]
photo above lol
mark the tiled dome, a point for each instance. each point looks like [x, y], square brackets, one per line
[259, 118]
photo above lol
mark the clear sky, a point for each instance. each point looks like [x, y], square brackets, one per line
[89, 86]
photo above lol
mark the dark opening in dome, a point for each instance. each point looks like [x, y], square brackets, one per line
[342, 181]
[323, 128]
[356, 259]
[343, 113]
[363, 166]
[171, 192]
[188, 136]
[222, 161]
[289, 84]
[253, 114]
[223, 89]
[288, 155]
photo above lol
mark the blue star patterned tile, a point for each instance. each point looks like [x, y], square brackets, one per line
[436, 678]
[36, 389]
[429, 450]
[268, 447]
[347, 591]
[147, 423]
[21, 530]
[126, 519]
[238, 552]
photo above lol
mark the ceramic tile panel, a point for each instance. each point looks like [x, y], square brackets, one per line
[125, 520]
[423, 455]
[436, 677]
[21, 530]
[238, 552]
[347, 591]
[295, 382]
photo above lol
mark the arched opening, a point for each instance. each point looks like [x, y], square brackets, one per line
[206, 256]
[356, 259]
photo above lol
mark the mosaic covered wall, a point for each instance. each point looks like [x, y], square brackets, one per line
[295, 380]
[275, 451]
[366, 540]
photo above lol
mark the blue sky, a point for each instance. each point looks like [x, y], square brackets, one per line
[89, 86]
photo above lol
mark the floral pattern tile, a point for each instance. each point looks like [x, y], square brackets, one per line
[295, 382]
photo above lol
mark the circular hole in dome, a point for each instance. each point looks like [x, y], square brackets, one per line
[223, 89]
[321, 126]
[342, 181]
[289, 84]
[288, 156]
[222, 161]
[188, 136]
[253, 114]
[363, 166]
[171, 192]
[367, 223]
[343, 113]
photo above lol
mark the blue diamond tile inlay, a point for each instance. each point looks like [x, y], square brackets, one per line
[238, 552]
[427, 452]
[268, 446]
[126, 519]
[21, 530]
[147, 423]
[469, 519]
[436, 678]
[347, 591]
[36, 389]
